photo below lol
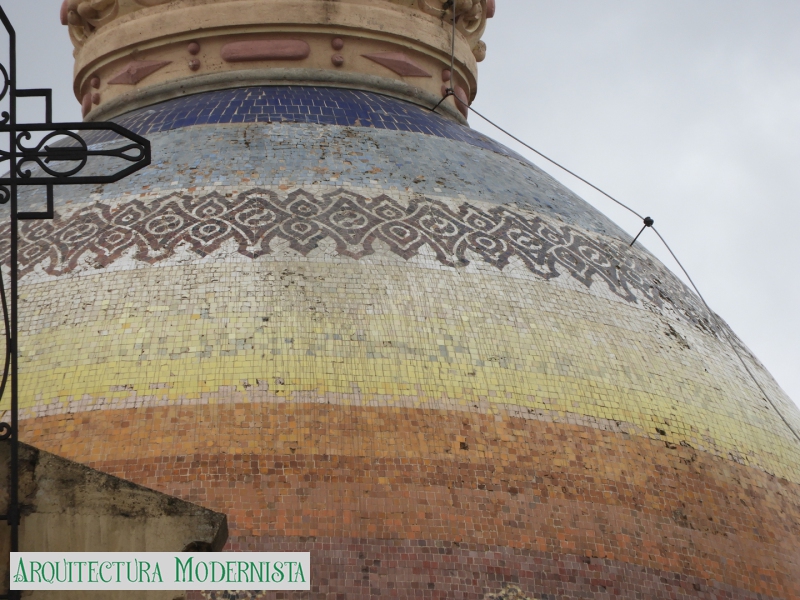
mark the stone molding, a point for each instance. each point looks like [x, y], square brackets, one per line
[194, 38]
[85, 17]
[137, 98]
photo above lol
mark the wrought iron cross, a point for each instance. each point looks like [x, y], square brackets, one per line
[58, 158]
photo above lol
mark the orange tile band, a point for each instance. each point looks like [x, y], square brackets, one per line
[293, 471]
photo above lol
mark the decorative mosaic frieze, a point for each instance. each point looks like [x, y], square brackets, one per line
[154, 230]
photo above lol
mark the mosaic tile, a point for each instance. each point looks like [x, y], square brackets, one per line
[323, 106]
[254, 219]
[544, 503]
[364, 330]
[394, 332]
[307, 154]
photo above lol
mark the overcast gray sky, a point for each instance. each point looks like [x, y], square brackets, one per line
[688, 110]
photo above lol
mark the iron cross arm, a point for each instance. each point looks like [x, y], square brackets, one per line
[62, 162]
[45, 154]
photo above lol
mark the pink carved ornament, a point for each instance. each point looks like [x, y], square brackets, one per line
[265, 50]
[399, 63]
[136, 70]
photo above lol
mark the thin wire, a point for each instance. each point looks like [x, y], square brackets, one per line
[714, 316]
[547, 158]
[449, 91]
[648, 222]
[445, 97]
[453, 46]
[641, 231]
[724, 331]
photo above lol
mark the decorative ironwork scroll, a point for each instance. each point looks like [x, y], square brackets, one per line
[44, 154]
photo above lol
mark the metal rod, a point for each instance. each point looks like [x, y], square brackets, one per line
[13, 496]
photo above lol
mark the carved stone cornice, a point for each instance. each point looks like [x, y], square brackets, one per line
[85, 17]
[123, 48]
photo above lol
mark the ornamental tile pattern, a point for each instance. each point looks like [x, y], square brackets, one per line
[254, 219]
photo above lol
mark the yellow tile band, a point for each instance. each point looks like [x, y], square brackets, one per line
[355, 333]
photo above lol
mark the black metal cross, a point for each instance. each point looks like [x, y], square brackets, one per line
[58, 158]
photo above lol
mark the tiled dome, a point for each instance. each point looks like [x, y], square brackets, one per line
[361, 329]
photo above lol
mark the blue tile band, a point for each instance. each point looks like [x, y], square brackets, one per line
[296, 104]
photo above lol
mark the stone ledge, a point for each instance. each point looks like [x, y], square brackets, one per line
[69, 507]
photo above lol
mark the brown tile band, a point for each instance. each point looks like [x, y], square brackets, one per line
[484, 481]
[417, 569]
